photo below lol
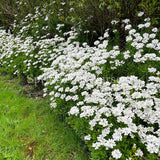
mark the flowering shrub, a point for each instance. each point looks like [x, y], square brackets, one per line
[111, 98]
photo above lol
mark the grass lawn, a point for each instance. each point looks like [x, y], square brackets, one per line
[29, 130]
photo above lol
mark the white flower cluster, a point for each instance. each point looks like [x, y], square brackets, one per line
[77, 73]
[129, 100]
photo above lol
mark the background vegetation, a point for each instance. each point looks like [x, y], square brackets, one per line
[92, 15]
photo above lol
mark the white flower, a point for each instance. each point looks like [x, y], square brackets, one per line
[96, 43]
[141, 26]
[80, 103]
[152, 148]
[96, 145]
[140, 14]
[53, 105]
[60, 89]
[74, 98]
[126, 21]
[74, 110]
[115, 48]
[115, 30]
[74, 76]
[106, 35]
[154, 30]
[133, 31]
[147, 24]
[128, 27]
[45, 94]
[116, 154]
[129, 38]
[103, 122]
[116, 111]
[57, 94]
[46, 18]
[139, 45]
[110, 143]
[88, 137]
[114, 22]
[139, 153]
[71, 9]
[68, 98]
[152, 70]
[117, 136]
[152, 36]
[63, 3]
[105, 131]
[147, 19]
[92, 123]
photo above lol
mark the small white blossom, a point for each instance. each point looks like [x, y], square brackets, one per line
[154, 30]
[74, 110]
[139, 153]
[88, 137]
[152, 70]
[140, 14]
[116, 154]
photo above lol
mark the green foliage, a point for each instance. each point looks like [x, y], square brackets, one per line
[92, 15]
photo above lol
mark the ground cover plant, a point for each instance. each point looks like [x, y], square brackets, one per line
[112, 97]
[108, 94]
[29, 129]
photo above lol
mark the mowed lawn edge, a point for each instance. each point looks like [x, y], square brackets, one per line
[30, 129]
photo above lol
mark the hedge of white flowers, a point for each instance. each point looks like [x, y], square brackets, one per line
[110, 97]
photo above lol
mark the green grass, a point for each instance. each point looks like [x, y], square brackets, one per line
[29, 130]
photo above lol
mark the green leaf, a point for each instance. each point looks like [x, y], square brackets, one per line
[118, 5]
[101, 5]
[110, 7]
[71, 3]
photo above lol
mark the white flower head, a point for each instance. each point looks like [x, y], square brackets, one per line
[140, 14]
[114, 22]
[126, 21]
[116, 154]
[152, 70]
[128, 27]
[53, 105]
[74, 110]
[147, 19]
[139, 153]
[147, 24]
[88, 137]
[154, 29]
[46, 18]
[152, 148]
[140, 26]
[96, 43]
[106, 35]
